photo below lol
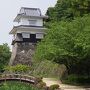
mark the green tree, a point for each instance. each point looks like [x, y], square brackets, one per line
[68, 43]
[4, 55]
[68, 9]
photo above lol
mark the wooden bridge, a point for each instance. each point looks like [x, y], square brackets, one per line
[18, 77]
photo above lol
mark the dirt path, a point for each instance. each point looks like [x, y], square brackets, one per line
[51, 81]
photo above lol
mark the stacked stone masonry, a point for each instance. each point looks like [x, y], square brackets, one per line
[22, 53]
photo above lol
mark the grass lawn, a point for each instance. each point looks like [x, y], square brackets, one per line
[11, 85]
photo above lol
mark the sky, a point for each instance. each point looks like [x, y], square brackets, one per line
[9, 10]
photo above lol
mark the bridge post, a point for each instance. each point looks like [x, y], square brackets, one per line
[25, 77]
[20, 78]
[5, 77]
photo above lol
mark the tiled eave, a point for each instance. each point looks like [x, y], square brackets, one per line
[25, 28]
[22, 15]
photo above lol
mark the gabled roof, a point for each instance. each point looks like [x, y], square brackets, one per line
[30, 11]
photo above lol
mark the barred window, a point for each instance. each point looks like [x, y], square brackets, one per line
[39, 35]
[25, 35]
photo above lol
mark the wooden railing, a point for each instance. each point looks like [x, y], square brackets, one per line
[17, 77]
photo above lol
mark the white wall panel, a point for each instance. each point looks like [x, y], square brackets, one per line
[25, 35]
[25, 21]
[39, 36]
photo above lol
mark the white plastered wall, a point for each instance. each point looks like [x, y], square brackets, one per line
[25, 21]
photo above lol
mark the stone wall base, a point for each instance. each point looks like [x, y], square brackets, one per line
[22, 53]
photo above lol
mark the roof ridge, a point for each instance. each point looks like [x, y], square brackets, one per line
[29, 8]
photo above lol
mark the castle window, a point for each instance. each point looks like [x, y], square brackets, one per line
[32, 22]
[39, 36]
[25, 35]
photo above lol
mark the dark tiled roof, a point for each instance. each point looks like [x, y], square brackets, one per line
[28, 26]
[30, 11]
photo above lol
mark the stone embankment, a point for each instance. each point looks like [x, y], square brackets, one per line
[22, 54]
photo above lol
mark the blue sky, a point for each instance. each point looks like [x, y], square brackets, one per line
[9, 10]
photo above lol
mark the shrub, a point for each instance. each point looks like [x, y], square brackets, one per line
[18, 68]
[77, 79]
[21, 68]
[54, 87]
[38, 79]
[71, 78]
[41, 85]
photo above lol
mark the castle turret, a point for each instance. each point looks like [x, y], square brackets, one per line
[28, 31]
